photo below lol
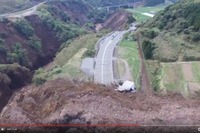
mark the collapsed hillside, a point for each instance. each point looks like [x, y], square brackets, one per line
[63, 102]
[34, 41]
[118, 20]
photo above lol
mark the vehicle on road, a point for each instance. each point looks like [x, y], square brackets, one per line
[127, 86]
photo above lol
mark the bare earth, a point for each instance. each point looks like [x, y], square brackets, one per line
[187, 70]
[98, 104]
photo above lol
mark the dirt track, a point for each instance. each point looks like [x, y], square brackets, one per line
[145, 83]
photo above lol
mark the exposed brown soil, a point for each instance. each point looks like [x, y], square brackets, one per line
[194, 89]
[5, 95]
[144, 80]
[97, 104]
[12, 77]
[11, 36]
[116, 21]
[50, 43]
[187, 70]
[77, 11]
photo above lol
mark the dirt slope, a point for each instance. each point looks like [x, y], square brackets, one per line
[77, 13]
[58, 100]
[12, 36]
[76, 10]
[116, 21]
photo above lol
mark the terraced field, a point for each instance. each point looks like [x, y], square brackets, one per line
[181, 77]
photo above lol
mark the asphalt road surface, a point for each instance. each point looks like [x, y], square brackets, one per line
[103, 73]
[23, 13]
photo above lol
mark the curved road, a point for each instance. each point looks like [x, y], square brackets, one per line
[103, 72]
[104, 61]
[23, 13]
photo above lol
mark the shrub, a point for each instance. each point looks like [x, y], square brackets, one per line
[89, 53]
[24, 28]
[196, 37]
[14, 75]
[35, 43]
[148, 48]
[155, 68]
[1, 41]
[39, 80]
[131, 19]
[161, 25]
[2, 46]
[64, 16]
[63, 31]
[191, 13]
[3, 49]
[17, 55]
[4, 79]
[150, 33]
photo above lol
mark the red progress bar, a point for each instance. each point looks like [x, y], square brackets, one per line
[69, 125]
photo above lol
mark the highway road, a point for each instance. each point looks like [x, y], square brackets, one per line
[103, 72]
[23, 13]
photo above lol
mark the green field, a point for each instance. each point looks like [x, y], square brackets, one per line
[181, 77]
[128, 50]
[196, 71]
[137, 12]
[173, 78]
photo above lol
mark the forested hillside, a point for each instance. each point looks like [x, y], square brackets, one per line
[173, 34]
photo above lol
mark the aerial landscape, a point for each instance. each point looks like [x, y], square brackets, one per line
[100, 65]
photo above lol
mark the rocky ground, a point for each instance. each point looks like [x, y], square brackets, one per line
[96, 104]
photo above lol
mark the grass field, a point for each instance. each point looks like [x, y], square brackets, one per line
[173, 78]
[181, 77]
[137, 12]
[67, 63]
[196, 71]
[121, 68]
[128, 50]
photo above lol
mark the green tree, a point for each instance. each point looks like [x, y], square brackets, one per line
[148, 49]
[2, 46]
[24, 27]
[35, 43]
[18, 55]
[196, 37]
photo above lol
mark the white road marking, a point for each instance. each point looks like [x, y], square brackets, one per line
[102, 80]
